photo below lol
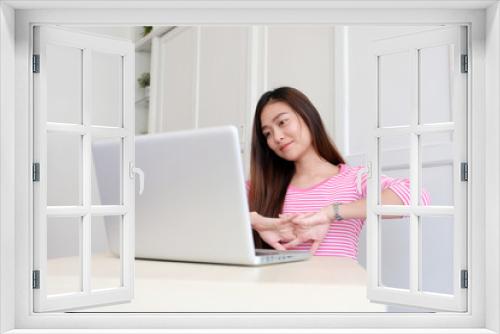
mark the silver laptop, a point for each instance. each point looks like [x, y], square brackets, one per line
[194, 205]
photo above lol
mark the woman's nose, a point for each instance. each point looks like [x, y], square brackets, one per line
[278, 136]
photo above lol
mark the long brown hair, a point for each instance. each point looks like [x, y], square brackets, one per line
[270, 175]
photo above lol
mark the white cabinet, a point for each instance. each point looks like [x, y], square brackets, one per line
[213, 76]
[200, 78]
[223, 76]
[173, 91]
[303, 57]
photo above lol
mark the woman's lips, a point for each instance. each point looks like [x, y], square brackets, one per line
[282, 148]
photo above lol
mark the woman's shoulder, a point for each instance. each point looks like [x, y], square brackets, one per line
[351, 174]
[348, 169]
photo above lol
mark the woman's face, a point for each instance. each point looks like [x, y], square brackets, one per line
[285, 131]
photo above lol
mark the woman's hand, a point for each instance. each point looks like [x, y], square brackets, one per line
[309, 227]
[274, 231]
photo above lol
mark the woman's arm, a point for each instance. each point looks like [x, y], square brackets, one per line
[314, 226]
[357, 209]
[394, 192]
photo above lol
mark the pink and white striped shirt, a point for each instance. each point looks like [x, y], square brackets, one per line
[347, 186]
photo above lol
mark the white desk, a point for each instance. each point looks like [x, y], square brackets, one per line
[321, 284]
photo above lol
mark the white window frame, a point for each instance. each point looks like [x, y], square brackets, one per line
[411, 45]
[86, 210]
[16, 134]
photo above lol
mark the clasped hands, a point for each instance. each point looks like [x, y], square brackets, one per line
[290, 230]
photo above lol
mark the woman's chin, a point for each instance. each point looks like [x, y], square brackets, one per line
[288, 156]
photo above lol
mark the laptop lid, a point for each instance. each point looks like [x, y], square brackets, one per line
[194, 205]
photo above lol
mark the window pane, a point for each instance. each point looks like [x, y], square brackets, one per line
[106, 252]
[64, 251]
[107, 88]
[64, 84]
[435, 85]
[64, 169]
[107, 173]
[394, 153]
[394, 89]
[437, 254]
[437, 167]
[395, 252]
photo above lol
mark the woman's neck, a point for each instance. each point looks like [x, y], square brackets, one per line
[311, 164]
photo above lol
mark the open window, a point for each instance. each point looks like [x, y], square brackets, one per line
[83, 96]
[17, 211]
[82, 118]
[16, 267]
[422, 85]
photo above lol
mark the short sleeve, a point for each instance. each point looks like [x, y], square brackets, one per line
[400, 186]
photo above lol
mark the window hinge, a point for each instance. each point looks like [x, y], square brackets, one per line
[36, 172]
[465, 64]
[36, 279]
[36, 63]
[464, 279]
[464, 175]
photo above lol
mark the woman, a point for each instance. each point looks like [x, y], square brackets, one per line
[301, 193]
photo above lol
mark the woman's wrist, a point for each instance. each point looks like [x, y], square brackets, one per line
[254, 216]
[259, 222]
[328, 211]
[332, 211]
